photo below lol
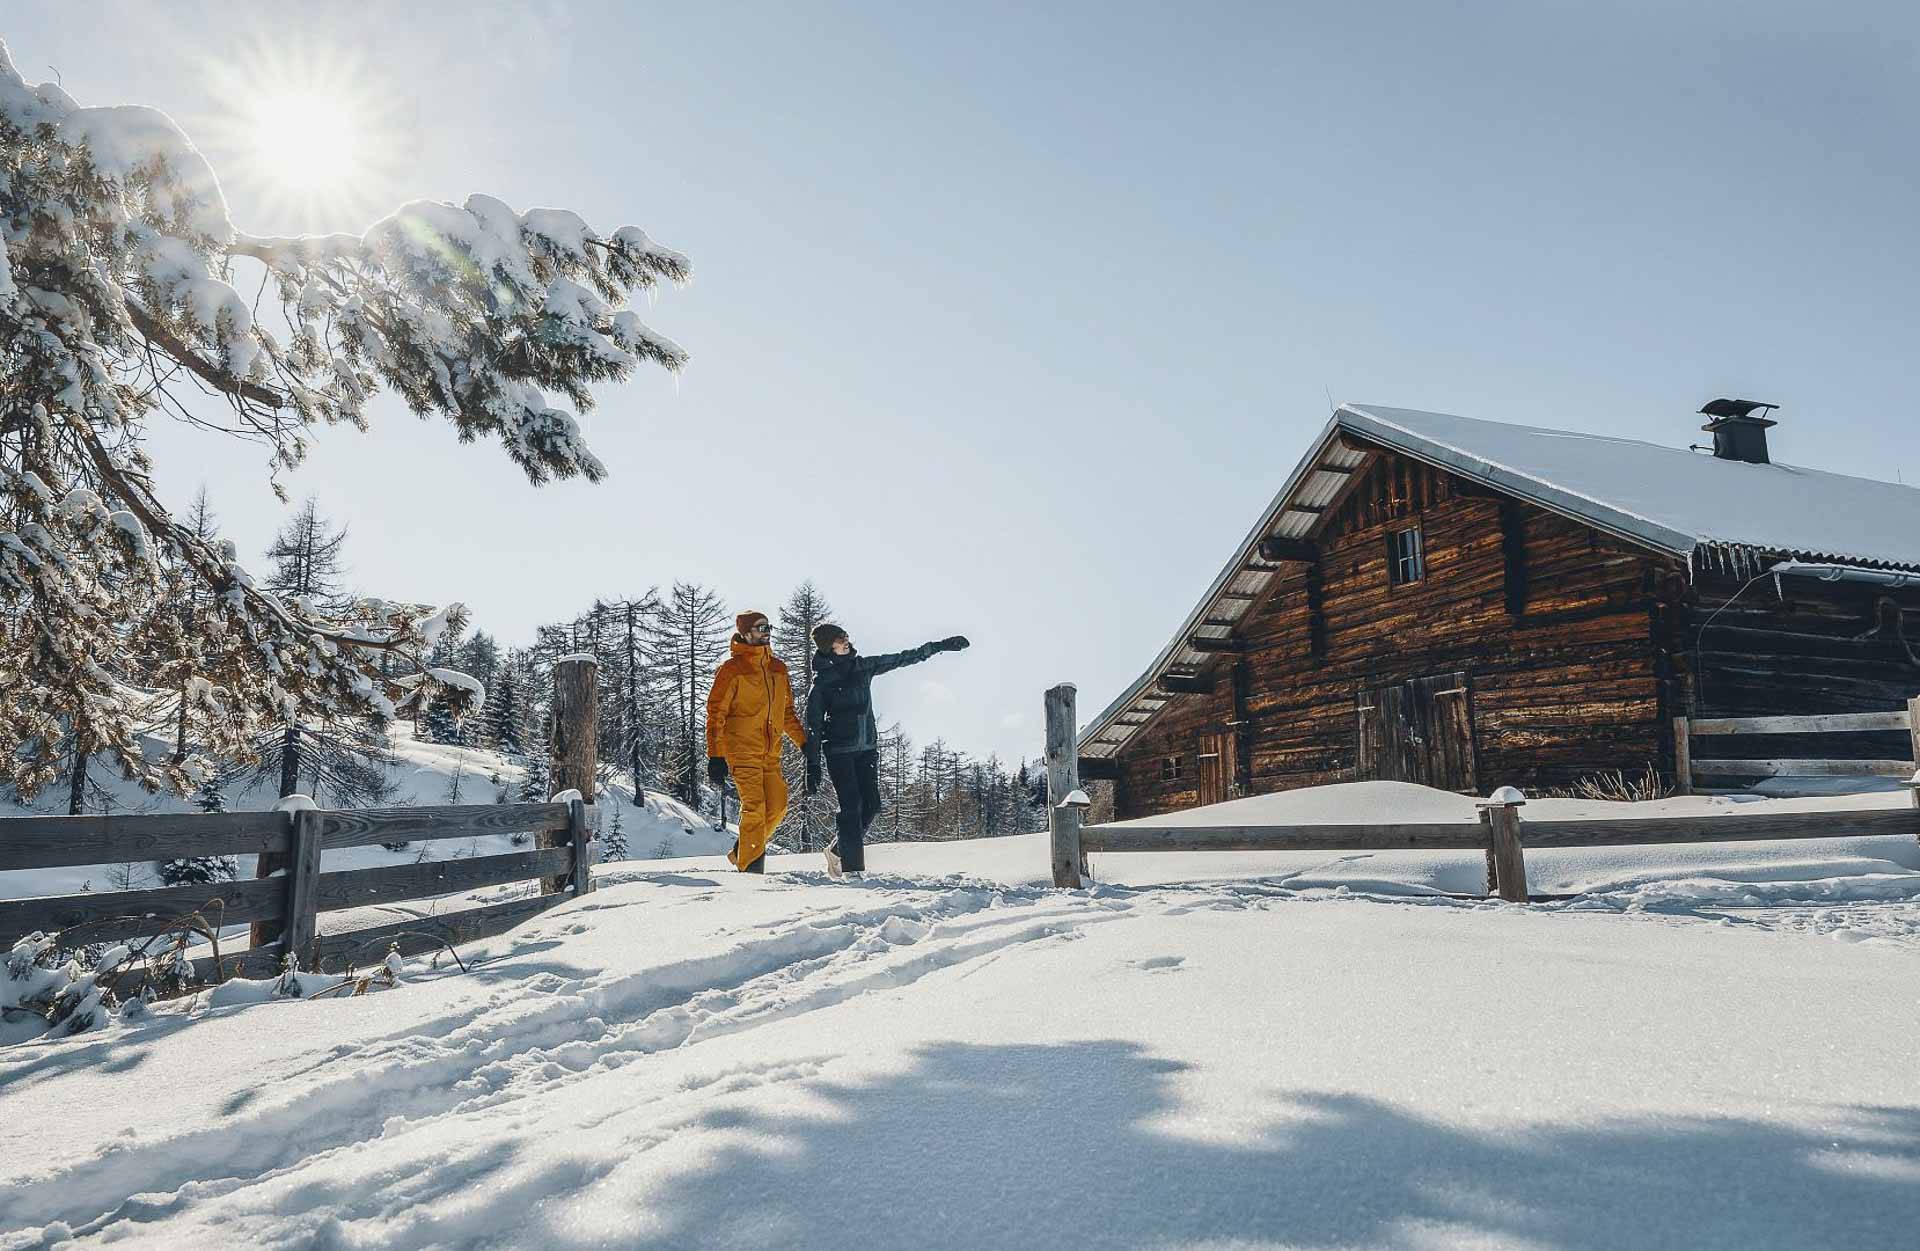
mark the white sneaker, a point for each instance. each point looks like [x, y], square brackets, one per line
[833, 858]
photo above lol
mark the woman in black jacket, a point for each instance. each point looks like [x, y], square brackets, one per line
[840, 722]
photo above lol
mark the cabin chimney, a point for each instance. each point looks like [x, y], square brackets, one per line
[1737, 433]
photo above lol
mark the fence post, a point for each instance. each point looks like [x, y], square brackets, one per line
[576, 745]
[1501, 812]
[579, 835]
[303, 888]
[1913, 790]
[1063, 778]
[1913, 728]
[1682, 757]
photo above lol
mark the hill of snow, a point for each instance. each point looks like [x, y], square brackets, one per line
[1205, 1050]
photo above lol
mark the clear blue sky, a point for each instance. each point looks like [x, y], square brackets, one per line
[1009, 320]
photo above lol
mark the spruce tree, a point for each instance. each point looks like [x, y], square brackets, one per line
[200, 870]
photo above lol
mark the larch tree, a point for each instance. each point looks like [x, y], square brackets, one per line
[808, 819]
[120, 303]
[689, 642]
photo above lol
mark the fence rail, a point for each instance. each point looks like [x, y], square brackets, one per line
[1689, 768]
[289, 903]
[1501, 833]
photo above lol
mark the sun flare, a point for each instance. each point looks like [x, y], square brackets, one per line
[306, 139]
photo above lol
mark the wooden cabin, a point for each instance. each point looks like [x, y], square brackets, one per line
[1469, 604]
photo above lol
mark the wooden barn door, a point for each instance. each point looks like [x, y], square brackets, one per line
[1419, 731]
[1218, 753]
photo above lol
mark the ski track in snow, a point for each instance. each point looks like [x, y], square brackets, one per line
[541, 1032]
[536, 1035]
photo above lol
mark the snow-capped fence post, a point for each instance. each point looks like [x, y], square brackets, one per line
[576, 749]
[1501, 813]
[303, 881]
[1063, 778]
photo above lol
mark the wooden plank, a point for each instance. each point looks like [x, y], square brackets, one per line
[55, 842]
[1452, 836]
[1176, 684]
[1210, 645]
[1733, 828]
[1815, 724]
[303, 876]
[147, 911]
[1063, 778]
[362, 827]
[1682, 756]
[357, 888]
[365, 947]
[1802, 768]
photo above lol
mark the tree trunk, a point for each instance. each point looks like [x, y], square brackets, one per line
[290, 760]
[576, 745]
[77, 776]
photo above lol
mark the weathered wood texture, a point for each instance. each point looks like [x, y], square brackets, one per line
[1800, 647]
[303, 882]
[1434, 836]
[363, 827]
[576, 745]
[1063, 778]
[51, 842]
[1571, 640]
[364, 947]
[358, 888]
[144, 911]
[1509, 862]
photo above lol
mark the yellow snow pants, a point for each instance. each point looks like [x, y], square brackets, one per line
[763, 805]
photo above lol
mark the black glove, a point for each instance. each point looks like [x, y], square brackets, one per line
[717, 770]
[956, 643]
[813, 778]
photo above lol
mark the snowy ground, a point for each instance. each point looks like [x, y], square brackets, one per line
[1218, 1052]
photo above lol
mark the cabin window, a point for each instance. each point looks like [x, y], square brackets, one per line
[1171, 769]
[1406, 557]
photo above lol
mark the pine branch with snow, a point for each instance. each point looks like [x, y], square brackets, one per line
[120, 302]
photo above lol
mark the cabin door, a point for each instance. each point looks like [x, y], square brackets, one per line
[1217, 755]
[1419, 731]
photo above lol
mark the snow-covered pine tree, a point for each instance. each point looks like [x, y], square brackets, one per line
[505, 713]
[616, 838]
[120, 301]
[208, 796]
[534, 787]
[808, 820]
[689, 640]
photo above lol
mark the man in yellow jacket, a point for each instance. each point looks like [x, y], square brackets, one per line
[749, 708]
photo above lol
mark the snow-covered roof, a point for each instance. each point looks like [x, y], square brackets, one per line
[1664, 497]
[1687, 504]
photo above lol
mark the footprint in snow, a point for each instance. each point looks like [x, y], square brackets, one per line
[1159, 964]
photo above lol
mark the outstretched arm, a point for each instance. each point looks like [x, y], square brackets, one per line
[874, 666]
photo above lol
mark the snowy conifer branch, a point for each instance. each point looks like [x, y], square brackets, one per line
[119, 266]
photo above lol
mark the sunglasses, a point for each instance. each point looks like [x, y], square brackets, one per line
[762, 628]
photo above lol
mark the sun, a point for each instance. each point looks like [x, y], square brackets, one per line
[307, 139]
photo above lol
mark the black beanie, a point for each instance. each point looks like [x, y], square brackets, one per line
[826, 634]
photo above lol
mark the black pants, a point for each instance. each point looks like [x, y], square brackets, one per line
[856, 779]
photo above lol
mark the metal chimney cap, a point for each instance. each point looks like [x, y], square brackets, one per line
[1735, 410]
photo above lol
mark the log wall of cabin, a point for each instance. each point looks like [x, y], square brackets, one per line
[1571, 640]
[1800, 646]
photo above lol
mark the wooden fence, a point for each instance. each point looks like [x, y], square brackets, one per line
[1500, 834]
[283, 910]
[1688, 768]
[282, 902]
